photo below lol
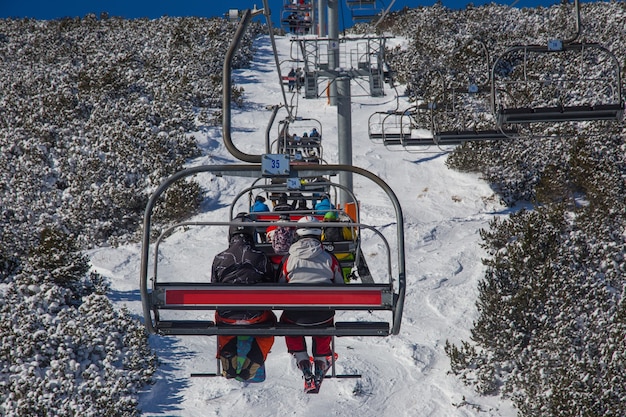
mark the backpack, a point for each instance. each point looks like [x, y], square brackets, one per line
[282, 238]
[332, 234]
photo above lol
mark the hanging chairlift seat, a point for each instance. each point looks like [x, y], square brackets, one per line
[459, 137]
[526, 115]
[188, 296]
[603, 103]
[186, 299]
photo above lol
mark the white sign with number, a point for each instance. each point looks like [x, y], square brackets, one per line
[275, 164]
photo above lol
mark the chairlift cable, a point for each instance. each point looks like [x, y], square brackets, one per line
[268, 18]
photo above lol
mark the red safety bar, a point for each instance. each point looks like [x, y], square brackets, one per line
[187, 296]
[275, 217]
[353, 297]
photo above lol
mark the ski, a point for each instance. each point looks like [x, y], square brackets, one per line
[310, 387]
[318, 376]
[314, 384]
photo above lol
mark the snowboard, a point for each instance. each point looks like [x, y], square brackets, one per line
[244, 343]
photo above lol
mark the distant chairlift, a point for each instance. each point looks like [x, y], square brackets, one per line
[294, 139]
[557, 83]
[563, 81]
[365, 11]
[459, 112]
[463, 111]
[302, 199]
[399, 127]
[297, 18]
[465, 115]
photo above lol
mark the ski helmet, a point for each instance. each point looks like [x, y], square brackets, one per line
[237, 229]
[308, 230]
[282, 198]
[330, 216]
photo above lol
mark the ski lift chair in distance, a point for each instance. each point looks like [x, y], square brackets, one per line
[292, 16]
[409, 128]
[464, 115]
[536, 90]
[390, 127]
[363, 11]
[348, 251]
[563, 81]
[301, 139]
[463, 111]
[368, 11]
[175, 306]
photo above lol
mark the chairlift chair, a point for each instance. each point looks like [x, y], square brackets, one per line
[171, 305]
[292, 16]
[535, 89]
[466, 116]
[463, 111]
[291, 140]
[348, 251]
[181, 306]
[391, 127]
[366, 11]
[563, 81]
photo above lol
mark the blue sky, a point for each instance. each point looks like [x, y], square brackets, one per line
[46, 9]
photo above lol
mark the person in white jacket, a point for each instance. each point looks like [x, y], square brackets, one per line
[309, 263]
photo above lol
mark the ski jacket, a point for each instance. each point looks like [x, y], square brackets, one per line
[283, 207]
[335, 234]
[323, 206]
[309, 263]
[258, 207]
[241, 264]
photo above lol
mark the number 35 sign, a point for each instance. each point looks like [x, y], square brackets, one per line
[275, 164]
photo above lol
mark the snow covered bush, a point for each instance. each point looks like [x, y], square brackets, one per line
[86, 361]
[98, 111]
[552, 316]
[94, 114]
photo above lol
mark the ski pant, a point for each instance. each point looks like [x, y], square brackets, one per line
[321, 344]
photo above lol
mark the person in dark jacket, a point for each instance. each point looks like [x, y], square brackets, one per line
[282, 204]
[242, 264]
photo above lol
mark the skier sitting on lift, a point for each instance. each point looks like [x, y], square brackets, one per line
[324, 206]
[259, 205]
[335, 234]
[309, 263]
[242, 263]
[282, 204]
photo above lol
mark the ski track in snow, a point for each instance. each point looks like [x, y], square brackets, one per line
[404, 375]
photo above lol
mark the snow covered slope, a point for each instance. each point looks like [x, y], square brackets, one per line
[404, 375]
